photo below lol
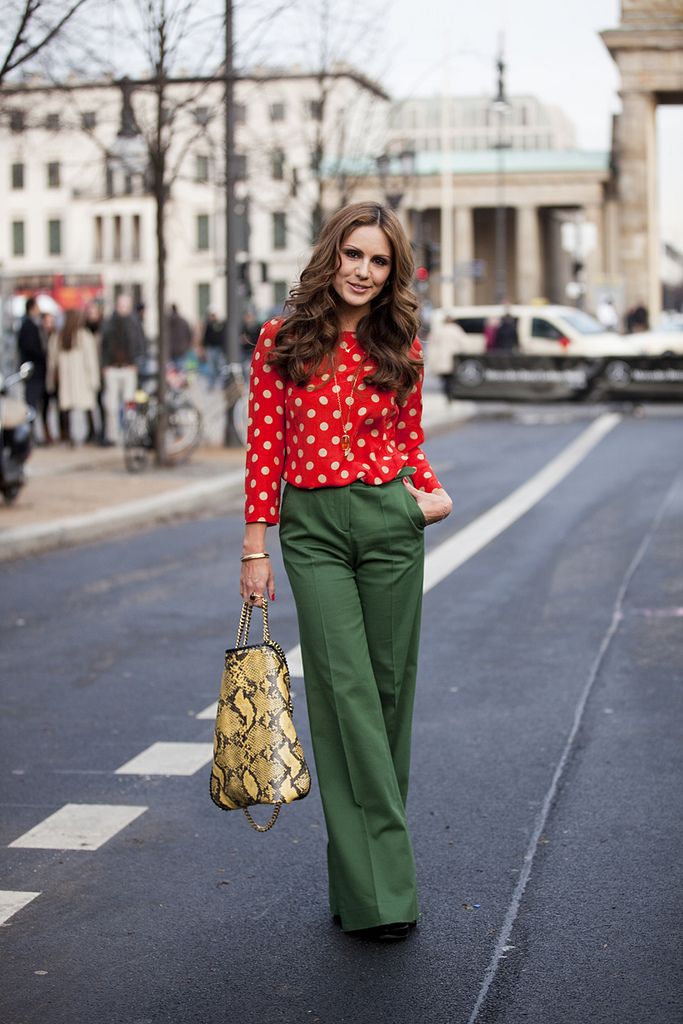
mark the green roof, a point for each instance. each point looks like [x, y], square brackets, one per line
[482, 161]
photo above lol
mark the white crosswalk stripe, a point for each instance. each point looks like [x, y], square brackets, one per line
[169, 759]
[79, 827]
[12, 902]
[209, 711]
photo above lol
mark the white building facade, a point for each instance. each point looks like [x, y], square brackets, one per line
[73, 211]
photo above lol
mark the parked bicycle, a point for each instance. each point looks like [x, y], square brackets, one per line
[141, 419]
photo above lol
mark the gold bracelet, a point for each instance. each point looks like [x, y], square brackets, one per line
[260, 554]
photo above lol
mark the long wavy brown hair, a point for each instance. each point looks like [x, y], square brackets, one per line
[311, 326]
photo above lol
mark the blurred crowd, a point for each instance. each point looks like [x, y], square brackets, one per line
[91, 363]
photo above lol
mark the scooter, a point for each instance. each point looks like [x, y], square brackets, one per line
[16, 418]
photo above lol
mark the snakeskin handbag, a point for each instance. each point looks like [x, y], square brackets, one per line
[257, 757]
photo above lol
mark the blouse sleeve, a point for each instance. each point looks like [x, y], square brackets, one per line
[265, 433]
[410, 435]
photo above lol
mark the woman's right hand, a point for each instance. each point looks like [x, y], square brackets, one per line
[257, 577]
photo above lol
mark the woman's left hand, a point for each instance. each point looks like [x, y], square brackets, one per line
[435, 505]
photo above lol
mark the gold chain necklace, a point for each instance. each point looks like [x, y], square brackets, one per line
[346, 426]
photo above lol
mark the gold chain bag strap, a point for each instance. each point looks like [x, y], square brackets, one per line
[257, 757]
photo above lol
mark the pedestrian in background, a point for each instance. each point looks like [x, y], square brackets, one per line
[122, 348]
[445, 341]
[32, 347]
[93, 321]
[48, 326]
[179, 338]
[73, 371]
[335, 411]
[506, 335]
[607, 314]
[637, 319]
[490, 333]
[213, 345]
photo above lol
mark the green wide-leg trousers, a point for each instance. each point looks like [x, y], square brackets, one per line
[354, 556]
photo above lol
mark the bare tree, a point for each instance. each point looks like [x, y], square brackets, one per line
[29, 27]
[332, 40]
[163, 112]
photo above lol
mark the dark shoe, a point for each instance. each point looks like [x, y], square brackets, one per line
[396, 932]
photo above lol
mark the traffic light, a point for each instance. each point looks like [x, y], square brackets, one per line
[422, 274]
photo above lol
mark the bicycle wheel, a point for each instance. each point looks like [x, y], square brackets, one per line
[183, 430]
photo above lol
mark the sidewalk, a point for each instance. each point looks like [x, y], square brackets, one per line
[81, 494]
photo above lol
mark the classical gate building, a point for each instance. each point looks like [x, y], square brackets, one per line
[648, 50]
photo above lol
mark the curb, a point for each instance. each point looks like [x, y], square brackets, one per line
[196, 497]
[37, 537]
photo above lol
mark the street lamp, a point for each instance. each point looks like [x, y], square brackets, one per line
[129, 148]
[500, 107]
[406, 171]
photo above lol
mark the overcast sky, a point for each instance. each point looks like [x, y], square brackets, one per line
[422, 47]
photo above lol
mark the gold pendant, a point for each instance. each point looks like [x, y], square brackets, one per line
[345, 442]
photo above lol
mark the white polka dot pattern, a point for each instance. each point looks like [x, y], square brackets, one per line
[289, 433]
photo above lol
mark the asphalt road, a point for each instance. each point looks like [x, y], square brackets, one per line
[546, 793]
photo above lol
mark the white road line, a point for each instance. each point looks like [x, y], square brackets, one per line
[209, 711]
[169, 759]
[79, 827]
[11, 902]
[454, 552]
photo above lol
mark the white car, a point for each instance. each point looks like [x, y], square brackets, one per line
[547, 331]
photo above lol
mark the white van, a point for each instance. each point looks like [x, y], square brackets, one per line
[544, 331]
[560, 351]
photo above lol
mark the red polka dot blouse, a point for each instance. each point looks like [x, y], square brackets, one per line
[327, 433]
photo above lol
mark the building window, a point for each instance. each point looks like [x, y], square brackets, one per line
[240, 166]
[279, 293]
[277, 111]
[18, 243]
[118, 248]
[240, 113]
[277, 165]
[201, 169]
[17, 121]
[203, 299]
[137, 237]
[202, 232]
[52, 122]
[202, 115]
[314, 109]
[54, 237]
[17, 176]
[53, 175]
[88, 120]
[279, 230]
[99, 244]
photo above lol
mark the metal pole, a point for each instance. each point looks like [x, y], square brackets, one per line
[232, 318]
[501, 221]
[500, 106]
[232, 310]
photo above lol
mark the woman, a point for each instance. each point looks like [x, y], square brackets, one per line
[335, 408]
[73, 371]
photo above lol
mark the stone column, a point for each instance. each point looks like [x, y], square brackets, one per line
[447, 261]
[638, 230]
[464, 253]
[527, 255]
[595, 269]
